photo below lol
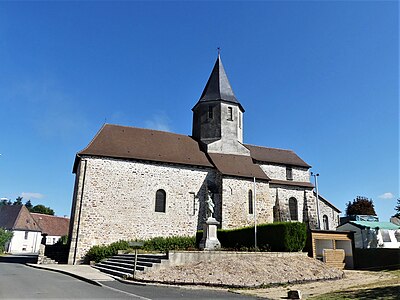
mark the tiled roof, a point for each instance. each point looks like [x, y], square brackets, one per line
[52, 225]
[17, 217]
[145, 144]
[237, 165]
[276, 156]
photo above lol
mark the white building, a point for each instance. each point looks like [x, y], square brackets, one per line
[26, 232]
[373, 234]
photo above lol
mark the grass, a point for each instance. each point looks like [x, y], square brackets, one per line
[388, 289]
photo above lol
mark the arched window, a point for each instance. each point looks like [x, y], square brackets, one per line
[160, 201]
[325, 221]
[293, 209]
[250, 202]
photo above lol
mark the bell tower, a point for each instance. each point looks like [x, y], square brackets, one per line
[218, 116]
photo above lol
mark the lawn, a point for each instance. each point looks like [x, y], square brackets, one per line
[388, 289]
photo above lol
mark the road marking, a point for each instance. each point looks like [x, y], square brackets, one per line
[127, 293]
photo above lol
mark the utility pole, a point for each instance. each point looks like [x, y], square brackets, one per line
[317, 197]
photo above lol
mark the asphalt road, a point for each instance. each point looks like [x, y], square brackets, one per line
[18, 281]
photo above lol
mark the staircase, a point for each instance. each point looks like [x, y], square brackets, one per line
[122, 265]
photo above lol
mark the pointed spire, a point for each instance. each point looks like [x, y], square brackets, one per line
[218, 87]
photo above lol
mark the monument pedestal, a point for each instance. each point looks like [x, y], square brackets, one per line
[210, 240]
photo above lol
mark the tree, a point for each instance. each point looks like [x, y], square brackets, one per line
[5, 237]
[41, 209]
[360, 206]
[3, 201]
[18, 201]
[397, 209]
[28, 205]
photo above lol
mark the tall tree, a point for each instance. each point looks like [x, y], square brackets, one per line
[18, 201]
[397, 209]
[28, 205]
[360, 206]
[41, 209]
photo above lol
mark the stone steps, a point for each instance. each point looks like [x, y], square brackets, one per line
[122, 265]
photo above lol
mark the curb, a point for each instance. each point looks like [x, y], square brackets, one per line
[94, 282]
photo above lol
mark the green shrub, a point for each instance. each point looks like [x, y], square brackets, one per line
[161, 244]
[98, 253]
[279, 237]
[164, 244]
[5, 237]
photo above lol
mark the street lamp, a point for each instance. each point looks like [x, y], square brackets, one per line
[316, 192]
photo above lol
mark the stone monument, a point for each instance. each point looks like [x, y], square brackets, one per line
[210, 240]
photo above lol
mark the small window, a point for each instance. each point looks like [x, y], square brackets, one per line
[230, 114]
[160, 201]
[250, 202]
[293, 209]
[210, 112]
[289, 173]
[385, 235]
[325, 222]
[26, 235]
[240, 120]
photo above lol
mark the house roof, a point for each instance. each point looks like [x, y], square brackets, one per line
[237, 165]
[17, 217]
[145, 144]
[52, 225]
[218, 87]
[277, 156]
[380, 225]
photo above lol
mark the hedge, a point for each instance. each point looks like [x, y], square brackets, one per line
[5, 237]
[161, 244]
[277, 237]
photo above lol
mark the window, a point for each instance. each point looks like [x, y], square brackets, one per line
[385, 235]
[160, 201]
[289, 173]
[293, 209]
[230, 114]
[240, 120]
[26, 235]
[210, 112]
[325, 222]
[250, 202]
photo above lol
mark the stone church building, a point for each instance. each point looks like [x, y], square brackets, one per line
[140, 183]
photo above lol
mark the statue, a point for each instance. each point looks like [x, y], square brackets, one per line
[210, 205]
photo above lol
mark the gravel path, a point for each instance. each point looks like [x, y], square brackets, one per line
[245, 272]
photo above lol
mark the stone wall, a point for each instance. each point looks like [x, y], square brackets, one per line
[306, 206]
[235, 202]
[278, 172]
[333, 215]
[119, 202]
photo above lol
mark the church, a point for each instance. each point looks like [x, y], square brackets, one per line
[135, 183]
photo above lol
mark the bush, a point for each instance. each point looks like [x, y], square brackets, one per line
[5, 237]
[164, 244]
[279, 237]
[161, 244]
[98, 253]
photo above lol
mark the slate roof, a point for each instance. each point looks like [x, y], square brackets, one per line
[218, 87]
[52, 225]
[277, 156]
[17, 217]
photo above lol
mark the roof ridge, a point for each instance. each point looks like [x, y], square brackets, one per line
[270, 147]
[148, 129]
[34, 213]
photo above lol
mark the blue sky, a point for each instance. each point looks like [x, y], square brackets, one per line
[319, 77]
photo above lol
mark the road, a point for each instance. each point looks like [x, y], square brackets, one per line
[18, 281]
